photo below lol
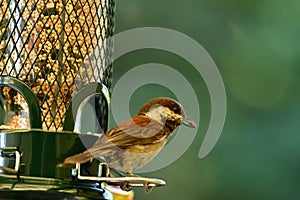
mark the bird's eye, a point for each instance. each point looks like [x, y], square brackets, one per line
[175, 110]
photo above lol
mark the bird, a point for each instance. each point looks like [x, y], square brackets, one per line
[136, 141]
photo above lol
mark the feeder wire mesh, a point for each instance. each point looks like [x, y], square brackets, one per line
[56, 47]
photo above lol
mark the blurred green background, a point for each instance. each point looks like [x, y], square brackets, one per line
[255, 45]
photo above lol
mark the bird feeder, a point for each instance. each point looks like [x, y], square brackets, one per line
[55, 47]
[55, 60]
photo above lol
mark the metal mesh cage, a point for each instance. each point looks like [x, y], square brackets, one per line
[56, 47]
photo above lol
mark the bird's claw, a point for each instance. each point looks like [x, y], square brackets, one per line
[147, 187]
[126, 186]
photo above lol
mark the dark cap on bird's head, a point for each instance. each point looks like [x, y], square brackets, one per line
[163, 101]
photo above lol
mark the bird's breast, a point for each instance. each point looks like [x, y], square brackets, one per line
[140, 155]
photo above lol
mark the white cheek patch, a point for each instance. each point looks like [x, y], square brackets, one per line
[158, 113]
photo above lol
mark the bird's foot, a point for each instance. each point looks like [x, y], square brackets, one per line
[126, 186]
[147, 187]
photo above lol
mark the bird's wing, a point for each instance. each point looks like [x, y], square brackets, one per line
[139, 130]
[133, 134]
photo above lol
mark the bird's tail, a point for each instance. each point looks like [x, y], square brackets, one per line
[78, 158]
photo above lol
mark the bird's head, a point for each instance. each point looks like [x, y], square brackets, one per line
[166, 111]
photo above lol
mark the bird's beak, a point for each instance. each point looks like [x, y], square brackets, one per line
[188, 122]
